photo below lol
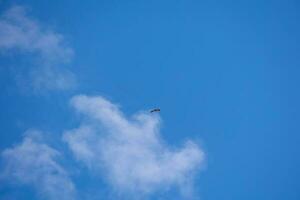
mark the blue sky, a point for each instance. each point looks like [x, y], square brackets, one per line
[225, 75]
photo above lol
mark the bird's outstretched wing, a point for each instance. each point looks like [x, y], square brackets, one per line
[155, 110]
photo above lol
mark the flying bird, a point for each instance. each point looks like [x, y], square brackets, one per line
[155, 110]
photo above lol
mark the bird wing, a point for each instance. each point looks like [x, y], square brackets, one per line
[155, 110]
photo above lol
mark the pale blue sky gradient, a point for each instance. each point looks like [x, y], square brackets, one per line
[224, 73]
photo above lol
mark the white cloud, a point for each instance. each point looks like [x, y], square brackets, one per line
[129, 152]
[34, 163]
[20, 33]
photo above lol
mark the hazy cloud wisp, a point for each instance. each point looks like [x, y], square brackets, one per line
[22, 34]
[34, 163]
[129, 152]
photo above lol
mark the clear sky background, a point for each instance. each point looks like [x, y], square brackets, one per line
[224, 73]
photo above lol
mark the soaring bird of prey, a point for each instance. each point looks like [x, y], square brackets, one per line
[155, 110]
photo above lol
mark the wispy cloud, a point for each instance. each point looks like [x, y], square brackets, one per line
[34, 163]
[129, 152]
[20, 33]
